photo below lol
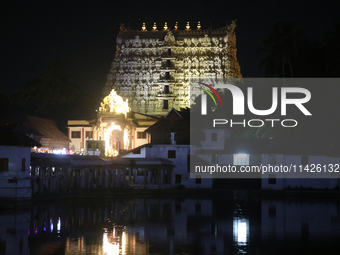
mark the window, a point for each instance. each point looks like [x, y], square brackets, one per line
[165, 104]
[213, 137]
[304, 232]
[2, 247]
[89, 134]
[178, 207]
[272, 211]
[166, 89]
[141, 172]
[21, 245]
[272, 159]
[173, 137]
[272, 179]
[167, 75]
[198, 208]
[23, 164]
[213, 248]
[3, 165]
[188, 163]
[75, 134]
[171, 154]
[241, 159]
[169, 52]
[304, 160]
[198, 179]
[141, 135]
[178, 178]
[168, 63]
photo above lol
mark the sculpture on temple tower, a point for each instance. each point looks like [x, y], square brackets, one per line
[153, 68]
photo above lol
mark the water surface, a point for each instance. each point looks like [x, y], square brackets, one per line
[230, 225]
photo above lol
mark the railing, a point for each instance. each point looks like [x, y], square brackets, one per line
[165, 94]
[166, 55]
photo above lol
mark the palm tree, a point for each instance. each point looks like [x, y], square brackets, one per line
[331, 52]
[283, 44]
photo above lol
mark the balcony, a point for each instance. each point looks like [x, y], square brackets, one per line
[165, 94]
[168, 56]
[168, 66]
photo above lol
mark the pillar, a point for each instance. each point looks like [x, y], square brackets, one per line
[159, 174]
[41, 179]
[145, 177]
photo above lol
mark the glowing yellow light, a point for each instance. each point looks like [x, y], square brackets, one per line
[154, 28]
[108, 149]
[126, 139]
[166, 26]
[199, 25]
[176, 25]
[143, 27]
[124, 242]
[187, 26]
[114, 103]
[109, 248]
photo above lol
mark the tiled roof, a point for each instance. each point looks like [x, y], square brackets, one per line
[148, 145]
[47, 128]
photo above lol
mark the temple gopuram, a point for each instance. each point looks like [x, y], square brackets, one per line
[153, 67]
[151, 74]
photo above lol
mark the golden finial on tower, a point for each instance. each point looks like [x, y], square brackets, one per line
[154, 28]
[143, 27]
[176, 25]
[199, 25]
[187, 27]
[166, 26]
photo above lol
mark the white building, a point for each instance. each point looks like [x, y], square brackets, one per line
[79, 131]
[15, 161]
[170, 139]
[306, 165]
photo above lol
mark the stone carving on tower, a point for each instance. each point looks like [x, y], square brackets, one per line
[152, 69]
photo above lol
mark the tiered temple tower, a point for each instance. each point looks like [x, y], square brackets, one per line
[153, 68]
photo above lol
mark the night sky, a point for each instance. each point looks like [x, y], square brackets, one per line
[83, 33]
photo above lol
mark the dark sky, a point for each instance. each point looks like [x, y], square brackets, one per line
[83, 33]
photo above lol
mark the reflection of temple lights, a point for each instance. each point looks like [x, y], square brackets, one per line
[109, 248]
[51, 226]
[58, 225]
[124, 242]
[241, 230]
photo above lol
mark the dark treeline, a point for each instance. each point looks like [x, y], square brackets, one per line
[51, 94]
[290, 52]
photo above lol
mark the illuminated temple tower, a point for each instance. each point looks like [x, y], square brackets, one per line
[151, 74]
[152, 68]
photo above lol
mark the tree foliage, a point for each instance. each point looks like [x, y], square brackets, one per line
[47, 91]
[291, 54]
[283, 45]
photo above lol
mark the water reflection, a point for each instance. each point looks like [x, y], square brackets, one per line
[173, 226]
